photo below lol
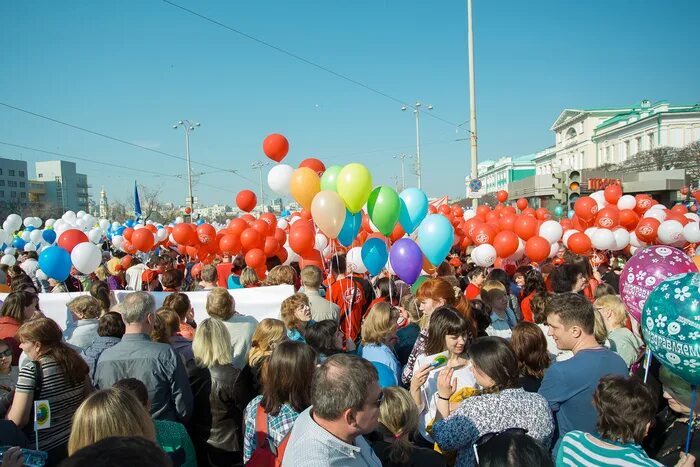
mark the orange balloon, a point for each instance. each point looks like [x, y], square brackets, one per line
[537, 248]
[608, 218]
[586, 208]
[696, 259]
[679, 209]
[126, 234]
[482, 211]
[311, 258]
[206, 233]
[184, 234]
[142, 239]
[281, 236]
[507, 222]
[261, 226]
[314, 164]
[521, 203]
[255, 258]
[579, 243]
[251, 239]
[432, 209]
[506, 243]
[628, 219]
[302, 237]
[483, 233]
[529, 212]
[428, 267]
[542, 214]
[249, 219]
[398, 233]
[276, 147]
[246, 200]
[304, 185]
[271, 246]
[237, 226]
[613, 193]
[526, 227]
[230, 244]
[644, 202]
[502, 196]
[271, 220]
[646, 229]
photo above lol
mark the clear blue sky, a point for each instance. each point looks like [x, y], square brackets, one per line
[131, 68]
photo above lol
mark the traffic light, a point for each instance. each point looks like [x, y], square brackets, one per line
[574, 188]
[560, 186]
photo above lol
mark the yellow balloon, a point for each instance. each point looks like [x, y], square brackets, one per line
[328, 212]
[354, 184]
[304, 185]
[696, 260]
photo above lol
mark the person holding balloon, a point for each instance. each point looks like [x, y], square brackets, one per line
[349, 295]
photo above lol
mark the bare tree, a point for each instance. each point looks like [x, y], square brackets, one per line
[149, 198]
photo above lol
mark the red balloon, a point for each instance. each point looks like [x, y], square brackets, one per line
[644, 202]
[696, 195]
[276, 147]
[445, 210]
[526, 227]
[196, 270]
[249, 219]
[230, 244]
[537, 248]
[521, 203]
[306, 215]
[646, 229]
[502, 196]
[457, 211]
[127, 233]
[246, 200]
[261, 226]
[312, 258]
[271, 246]
[206, 233]
[432, 209]
[579, 243]
[251, 239]
[493, 216]
[281, 236]
[482, 211]
[608, 218]
[314, 164]
[184, 234]
[255, 258]
[612, 193]
[143, 239]
[282, 254]
[188, 210]
[483, 233]
[507, 222]
[397, 233]
[542, 214]
[237, 226]
[673, 216]
[302, 237]
[679, 209]
[628, 219]
[529, 212]
[506, 243]
[470, 225]
[586, 208]
[566, 224]
[271, 220]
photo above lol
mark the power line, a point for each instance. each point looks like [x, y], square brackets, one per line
[119, 140]
[303, 59]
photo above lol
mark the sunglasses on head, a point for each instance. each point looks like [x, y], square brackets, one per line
[486, 437]
[6, 353]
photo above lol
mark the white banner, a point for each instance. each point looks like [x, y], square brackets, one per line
[259, 302]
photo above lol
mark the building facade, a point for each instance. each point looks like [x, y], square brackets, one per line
[14, 183]
[64, 187]
[499, 175]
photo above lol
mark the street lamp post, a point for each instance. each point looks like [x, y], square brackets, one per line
[258, 165]
[472, 97]
[188, 127]
[416, 112]
[402, 157]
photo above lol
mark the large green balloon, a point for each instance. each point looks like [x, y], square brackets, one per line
[384, 207]
[329, 179]
[354, 184]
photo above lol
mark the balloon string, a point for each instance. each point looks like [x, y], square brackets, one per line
[647, 365]
[689, 436]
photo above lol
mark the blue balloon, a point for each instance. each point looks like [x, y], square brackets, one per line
[414, 208]
[351, 227]
[435, 237]
[49, 236]
[558, 211]
[669, 324]
[571, 214]
[18, 243]
[55, 262]
[120, 230]
[374, 255]
[129, 223]
[30, 228]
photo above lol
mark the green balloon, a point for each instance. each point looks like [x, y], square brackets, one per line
[384, 207]
[330, 178]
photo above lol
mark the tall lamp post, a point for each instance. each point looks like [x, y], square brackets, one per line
[188, 127]
[402, 157]
[472, 97]
[416, 112]
[258, 165]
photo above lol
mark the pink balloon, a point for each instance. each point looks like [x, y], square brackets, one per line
[647, 269]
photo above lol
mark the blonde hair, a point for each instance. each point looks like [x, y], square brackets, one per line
[220, 304]
[282, 274]
[311, 277]
[85, 306]
[212, 344]
[267, 335]
[410, 304]
[106, 413]
[289, 307]
[102, 272]
[493, 285]
[166, 324]
[380, 321]
[399, 414]
[615, 305]
[600, 332]
[249, 277]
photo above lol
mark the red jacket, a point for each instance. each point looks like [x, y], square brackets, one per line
[8, 332]
[349, 296]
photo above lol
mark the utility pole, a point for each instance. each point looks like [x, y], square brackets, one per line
[188, 127]
[472, 98]
[416, 112]
[402, 157]
[258, 165]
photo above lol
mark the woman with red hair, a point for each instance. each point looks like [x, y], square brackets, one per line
[432, 294]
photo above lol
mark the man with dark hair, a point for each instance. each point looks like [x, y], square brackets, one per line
[234, 280]
[210, 278]
[345, 400]
[119, 451]
[568, 386]
[567, 278]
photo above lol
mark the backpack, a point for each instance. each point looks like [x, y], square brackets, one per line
[265, 454]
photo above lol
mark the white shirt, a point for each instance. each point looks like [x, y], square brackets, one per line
[133, 277]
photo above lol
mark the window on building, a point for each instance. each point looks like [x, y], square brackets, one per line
[40, 175]
[13, 194]
[0, 171]
[21, 184]
[11, 173]
[12, 183]
[639, 144]
[570, 133]
[2, 193]
[21, 173]
[22, 194]
[651, 141]
[580, 127]
[626, 150]
[2, 182]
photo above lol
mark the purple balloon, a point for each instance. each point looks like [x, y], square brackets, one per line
[406, 260]
[647, 269]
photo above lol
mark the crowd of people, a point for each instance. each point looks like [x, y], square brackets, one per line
[530, 366]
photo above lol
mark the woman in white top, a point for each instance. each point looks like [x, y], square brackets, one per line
[446, 346]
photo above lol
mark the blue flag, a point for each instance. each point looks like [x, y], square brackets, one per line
[137, 203]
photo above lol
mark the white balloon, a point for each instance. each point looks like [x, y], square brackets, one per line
[622, 238]
[27, 221]
[115, 225]
[691, 232]
[389, 268]
[69, 216]
[282, 224]
[657, 214]
[291, 255]
[670, 232]
[10, 251]
[104, 224]
[36, 222]
[554, 249]
[599, 197]
[692, 216]
[80, 214]
[590, 231]
[161, 235]
[372, 226]
[14, 221]
[354, 260]
[41, 275]
[636, 242]
[567, 234]
[86, 257]
[551, 231]
[633, 250]
[26, 235]
[468, 214]
[603, 239]
[519, 253]
[29, 247]
[95, 235]
[278, 178]
[50, 222]
[658, 206]
[36, 235]
[117, 241]
[8, 260]
[626, 202]
[484, 255]
[321, 242]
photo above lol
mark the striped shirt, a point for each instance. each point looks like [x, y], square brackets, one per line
[578, 449]
[64, 399]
